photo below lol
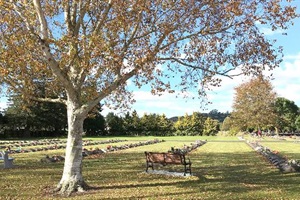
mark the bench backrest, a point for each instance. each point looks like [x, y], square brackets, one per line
[155, 157]
[165, 158]
[174, 158]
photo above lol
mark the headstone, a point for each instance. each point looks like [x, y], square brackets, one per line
[8, 162]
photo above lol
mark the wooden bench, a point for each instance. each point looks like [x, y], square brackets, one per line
[8, 162]
[168, 159]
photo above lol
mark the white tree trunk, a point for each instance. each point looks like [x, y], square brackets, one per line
[72, 179]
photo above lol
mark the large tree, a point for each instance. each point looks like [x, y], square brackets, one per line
[211, 126]
[86, 50]
[114, 124]
[254, 104]
[190, 124]
[287, 112]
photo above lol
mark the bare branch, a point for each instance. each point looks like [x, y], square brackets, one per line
[224, 73]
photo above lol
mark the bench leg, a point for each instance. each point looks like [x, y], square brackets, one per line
[149, 164]
[187, 169]
[190, 169]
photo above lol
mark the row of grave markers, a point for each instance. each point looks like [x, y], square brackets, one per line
[275, 158]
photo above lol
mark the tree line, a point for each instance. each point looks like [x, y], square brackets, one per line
[255, 107]
[159, 125]
[50, 120]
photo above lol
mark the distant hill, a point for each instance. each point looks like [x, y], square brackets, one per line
[214, 114]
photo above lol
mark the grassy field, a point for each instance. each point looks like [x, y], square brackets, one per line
[224, 168]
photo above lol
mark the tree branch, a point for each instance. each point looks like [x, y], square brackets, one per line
[122, 79]
[224, 73]
[106, 91]
[42, 19]
[67, 15]
[101, 22]
[82, 12]
[58, 100]
[73, 14]
[132, 37]
[17, 10]
[19, 88]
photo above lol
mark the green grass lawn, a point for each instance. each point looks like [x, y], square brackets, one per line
[223, 169]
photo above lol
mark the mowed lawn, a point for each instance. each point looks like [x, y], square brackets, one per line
[223, 168]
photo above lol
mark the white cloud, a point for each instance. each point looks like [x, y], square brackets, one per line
[129, 82]
[286, 78]
[269, 31]
[222, 97]
[286, 83]
[159, 67]
[295, 57]
[166, 103]
[3, 104]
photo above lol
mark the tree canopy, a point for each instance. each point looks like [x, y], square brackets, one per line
[86, 51]
[254, 104]
[287, 112]
[96, 46]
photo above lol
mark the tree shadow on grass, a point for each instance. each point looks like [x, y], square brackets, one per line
[241, 173]
[219, 173]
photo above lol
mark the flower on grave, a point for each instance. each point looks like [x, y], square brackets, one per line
[275, 152]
